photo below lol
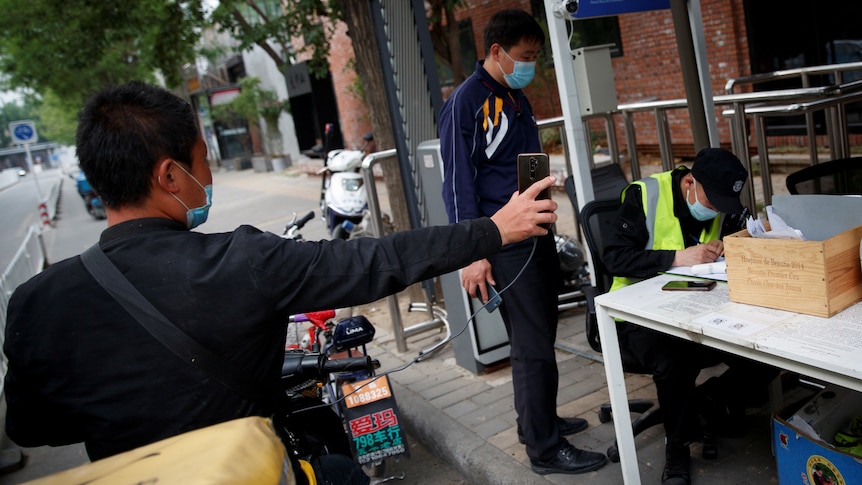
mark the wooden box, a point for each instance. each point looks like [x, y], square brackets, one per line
[818, 278]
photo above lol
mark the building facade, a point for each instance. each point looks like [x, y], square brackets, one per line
[743, 37]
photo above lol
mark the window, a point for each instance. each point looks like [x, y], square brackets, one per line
[596, 31]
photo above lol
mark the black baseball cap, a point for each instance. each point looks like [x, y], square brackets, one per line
[722, 177]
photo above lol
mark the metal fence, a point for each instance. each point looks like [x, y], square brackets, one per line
[30, 259]
[28, 262]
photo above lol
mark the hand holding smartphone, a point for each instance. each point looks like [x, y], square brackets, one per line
[533, 167]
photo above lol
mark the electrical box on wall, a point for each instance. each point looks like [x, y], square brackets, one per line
[594, 79]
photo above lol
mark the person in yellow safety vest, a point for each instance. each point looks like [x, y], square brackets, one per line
[677, 218]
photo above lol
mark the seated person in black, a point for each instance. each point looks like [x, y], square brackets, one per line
[677, 218]
[82, 369]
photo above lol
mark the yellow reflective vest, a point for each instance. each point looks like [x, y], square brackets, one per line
[665, 232]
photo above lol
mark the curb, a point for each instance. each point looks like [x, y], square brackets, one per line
[473, 456]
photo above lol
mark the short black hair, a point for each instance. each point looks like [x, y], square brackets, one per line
[123, 131]
[508, 27]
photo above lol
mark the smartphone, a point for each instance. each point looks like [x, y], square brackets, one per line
[533, 167]
[494, 299]
[688, 285]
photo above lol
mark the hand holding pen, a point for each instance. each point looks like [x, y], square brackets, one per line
[699, 254]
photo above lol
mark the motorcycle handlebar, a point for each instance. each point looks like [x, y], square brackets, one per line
[305, 219]
[301, 366]
[292, 227]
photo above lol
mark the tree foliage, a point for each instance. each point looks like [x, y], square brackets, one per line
[58, 119]
[445, 35]
[75, 47]
[265, 22]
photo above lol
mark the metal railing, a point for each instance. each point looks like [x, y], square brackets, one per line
[836, 131]
[437, 316]
[28, 261]
[610, 130]
[802, 73]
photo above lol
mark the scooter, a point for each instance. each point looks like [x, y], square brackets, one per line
[343, 195]
[363, 402]
[331, 385]
[91, 200]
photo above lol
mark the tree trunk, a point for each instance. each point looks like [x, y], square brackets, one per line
[357, 16]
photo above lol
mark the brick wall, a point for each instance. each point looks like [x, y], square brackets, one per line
[355, 119]
[648, 69]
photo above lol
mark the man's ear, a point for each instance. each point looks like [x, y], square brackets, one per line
[688, 180]
[164, 174]
[494, 52]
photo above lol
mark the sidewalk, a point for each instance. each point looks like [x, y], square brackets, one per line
[469, 419]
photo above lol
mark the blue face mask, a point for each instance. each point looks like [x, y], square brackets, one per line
[698, 210]
[521, 75]
[197, 216]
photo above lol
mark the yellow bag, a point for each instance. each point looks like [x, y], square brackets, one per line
[242, 451]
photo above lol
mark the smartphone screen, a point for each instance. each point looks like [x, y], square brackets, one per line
[533, 167]
[688, 285]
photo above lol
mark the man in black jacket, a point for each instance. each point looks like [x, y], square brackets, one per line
[677, 218]
[83, 369]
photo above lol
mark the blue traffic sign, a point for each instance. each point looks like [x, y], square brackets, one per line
[23, 132]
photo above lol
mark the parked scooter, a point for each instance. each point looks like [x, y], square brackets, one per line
[343, 195]
[91, 200]
[330, 383]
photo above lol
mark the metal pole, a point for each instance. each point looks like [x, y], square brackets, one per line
[33, 171]
[691, 81]
[374, 207]
[696, 20]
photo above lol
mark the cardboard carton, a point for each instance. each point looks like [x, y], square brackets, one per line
[801, 458]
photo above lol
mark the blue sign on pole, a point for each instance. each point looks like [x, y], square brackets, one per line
[604, 8]
[23, 132]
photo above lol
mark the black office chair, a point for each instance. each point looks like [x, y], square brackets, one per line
[608, 183]
[596, 218]
[837, 177]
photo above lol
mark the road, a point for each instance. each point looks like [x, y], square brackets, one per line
[19, 208]
[266, 201]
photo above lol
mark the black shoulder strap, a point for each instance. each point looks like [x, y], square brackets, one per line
[107, 275]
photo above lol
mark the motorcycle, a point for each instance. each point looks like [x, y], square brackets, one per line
[363, 403]
[336, 403]
[92, 202]
[343, 195]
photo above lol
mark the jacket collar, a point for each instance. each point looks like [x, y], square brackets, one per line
[139, 226]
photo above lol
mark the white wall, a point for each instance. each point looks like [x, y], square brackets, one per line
[259, 64]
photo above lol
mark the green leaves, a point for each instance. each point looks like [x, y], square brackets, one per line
[262, 22]
[74, 47]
